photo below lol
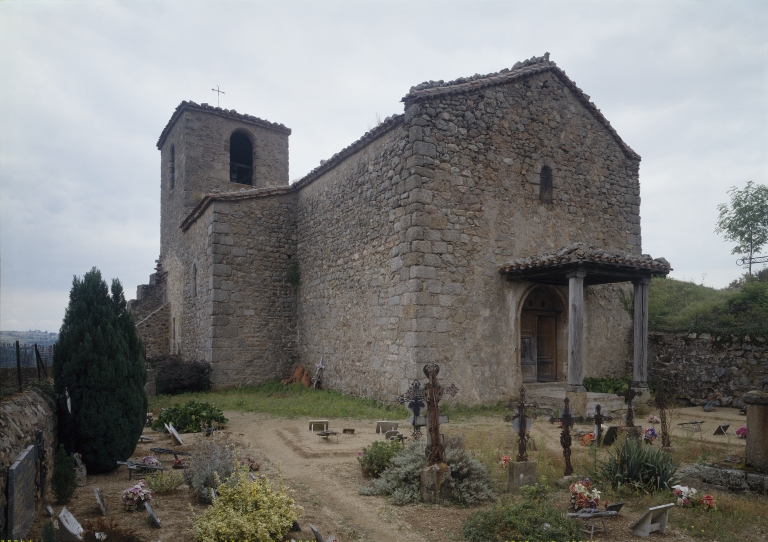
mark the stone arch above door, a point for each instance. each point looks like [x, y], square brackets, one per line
[539, 336]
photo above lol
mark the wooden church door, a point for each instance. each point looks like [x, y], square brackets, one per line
[538, 339]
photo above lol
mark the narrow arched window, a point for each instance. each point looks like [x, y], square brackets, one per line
[240, 159]
[545, 184]
[194, 280]
[172, 168]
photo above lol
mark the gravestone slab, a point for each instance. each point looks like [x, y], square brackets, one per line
[610, 435]
[21, 493]
[100, 501]
[152, 515]
[653, 520]
[384, 426]
[318, 425]
[520, 473]
[434, 483]
[175, 434]
[69, 529]
[722, 429]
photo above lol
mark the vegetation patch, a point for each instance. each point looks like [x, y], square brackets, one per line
[638, 467]
[190, 417]
[527, 520]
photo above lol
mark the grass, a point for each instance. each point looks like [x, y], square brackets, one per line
[680, 306]
[295, 401]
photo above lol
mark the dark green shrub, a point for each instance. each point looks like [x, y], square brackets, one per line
[606, 385]
[527, 520]
[190, 417]
[638, 467]
[175, 375]
[376, 457]
[48, 532]
[98, 360]
[64, 480]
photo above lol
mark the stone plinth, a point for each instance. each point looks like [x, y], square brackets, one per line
[520, 473]
[757, 430]
[578, 403]
[434, 483]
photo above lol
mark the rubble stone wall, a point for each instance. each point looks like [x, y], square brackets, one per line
[155, 333]
[703, 367]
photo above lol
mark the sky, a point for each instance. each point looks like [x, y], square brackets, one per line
[87, 87]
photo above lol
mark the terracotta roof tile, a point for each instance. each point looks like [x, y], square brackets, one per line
[581, 253]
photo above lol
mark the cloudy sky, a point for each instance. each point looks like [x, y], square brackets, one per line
[87, 87]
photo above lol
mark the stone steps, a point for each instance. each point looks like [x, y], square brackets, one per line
[550, 396]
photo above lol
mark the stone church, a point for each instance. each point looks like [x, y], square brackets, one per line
[493, 228]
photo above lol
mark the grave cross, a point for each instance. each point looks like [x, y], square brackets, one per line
[628, 396]
[565, 435]
[661, 402]
[415, 397]
[520, 424]
[220, 92]
[599, 418]
[432, 393]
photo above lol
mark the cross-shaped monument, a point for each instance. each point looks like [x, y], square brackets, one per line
[415, 398]
[599, 418]
[565, 435]
[628, 396]
[220, 92]
[521, 424]
[661, 402]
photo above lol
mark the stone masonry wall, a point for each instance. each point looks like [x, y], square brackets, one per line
[253, 325]
[702, 367]
[155, 333]
[196, 289]
[21, 417]
[350, 309]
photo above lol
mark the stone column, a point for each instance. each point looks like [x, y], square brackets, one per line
[576, 331]
[757, 430]
[640, 364]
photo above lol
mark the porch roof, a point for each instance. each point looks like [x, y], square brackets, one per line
[600, 266]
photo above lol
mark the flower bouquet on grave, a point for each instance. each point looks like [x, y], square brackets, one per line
[583, 495]
[741, 432]
[653, 419]
[135, 497]
[708, 502]
[587, 439]
[685, 495]
[504, 462]
[649, 435]
[150, 460]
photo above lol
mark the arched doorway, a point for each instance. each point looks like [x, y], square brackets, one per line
[538, 337]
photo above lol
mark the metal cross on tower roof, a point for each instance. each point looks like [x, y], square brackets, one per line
[220, 92]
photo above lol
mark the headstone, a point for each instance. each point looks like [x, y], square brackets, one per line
[520, 473]
[21, 494]
[653, 520]
[434, 486]
[152, 515]
[610, 435]
[348, 431]
[384, 426]
[722, 429]
[174, 434]
[318, 425]
[390, 434]
[615, 507]
[100, 501]
[757, 433]
[69, 529]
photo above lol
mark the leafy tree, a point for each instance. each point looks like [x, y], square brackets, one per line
[98, 360]
[745, 220]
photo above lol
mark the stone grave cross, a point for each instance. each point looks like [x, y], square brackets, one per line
[521, 424]
[415, 397]
[628, 396]
[565, 435]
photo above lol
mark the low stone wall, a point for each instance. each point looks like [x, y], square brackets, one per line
[21, 417]
[155, 333]
[704, 367]
[724, 479]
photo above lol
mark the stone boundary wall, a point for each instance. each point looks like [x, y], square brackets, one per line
[703, 366]
[155, 333]
[21, 416]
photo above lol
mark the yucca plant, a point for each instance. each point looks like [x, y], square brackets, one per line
[637, 466]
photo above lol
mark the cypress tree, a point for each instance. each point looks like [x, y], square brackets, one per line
[98, 360]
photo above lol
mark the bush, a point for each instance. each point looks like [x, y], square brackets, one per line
[509, 521]
[110, 527]
[638, 467]
[48, 532]
[211, 460]
[247, 510]
[470, 481]
[606, 385]
[98, 360]
[165, 483]
[376, 457]
[64, 480]
[175, 375]
[190, 417]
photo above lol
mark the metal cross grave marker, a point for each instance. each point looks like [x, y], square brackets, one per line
[661, 402]
[599, 418]
[521, 424]
[565, 435]
[628, 396]
[415, 398]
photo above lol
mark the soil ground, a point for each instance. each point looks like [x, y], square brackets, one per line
[324, 475]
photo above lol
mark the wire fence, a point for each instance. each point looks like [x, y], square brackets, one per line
[21, 364]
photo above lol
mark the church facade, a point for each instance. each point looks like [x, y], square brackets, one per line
[493, 228]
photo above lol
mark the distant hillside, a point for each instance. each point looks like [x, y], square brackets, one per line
[41, 338]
